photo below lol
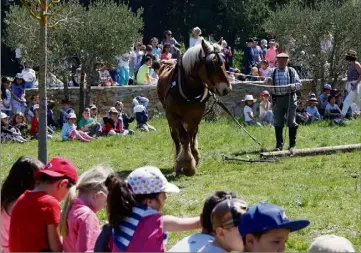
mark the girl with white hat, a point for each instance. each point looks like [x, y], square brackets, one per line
[248, 111]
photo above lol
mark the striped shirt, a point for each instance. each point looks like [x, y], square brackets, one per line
[282, 80]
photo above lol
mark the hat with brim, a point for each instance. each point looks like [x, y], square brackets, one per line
[93, 107]
[313, 101]
[36, 107]
[59, 167]
[282, 55]
[19, 76]
[113, 110]
[351, 54]
[71, 116]
[249, 98]
[4, 115]
[250, 40]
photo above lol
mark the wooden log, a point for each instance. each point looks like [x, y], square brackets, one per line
[313, 151]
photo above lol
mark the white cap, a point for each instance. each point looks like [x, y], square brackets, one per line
[149, 179]
[327, 86]
[331, 243]
[71, 116]
[36, 107]
[3, 115]
[249, 97]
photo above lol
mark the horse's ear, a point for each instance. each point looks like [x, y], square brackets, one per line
[206, 47]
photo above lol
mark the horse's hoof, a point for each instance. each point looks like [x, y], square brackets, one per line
[189, 172]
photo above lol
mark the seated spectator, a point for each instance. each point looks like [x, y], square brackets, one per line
[324, 98]
[148, 52]
[9, 133]
[69, 131]
[332, 111]
[264, 69]
[166, 55]
[34, 125]
[29, 76]
[143, 75]
[196, 241]
[265, 228]
[125, 118]
[113, 125]
[64, 112]
[339, 102]
[330, 243]
[302, 116]
[50, 114]
[226, 217]
[255, 76]
[141, 114]
[6, 97]
[19, 180]
[248, 111]
[88, 124]
[311, 95]
[104, 75]
[19, 122]
[34, 100]
[265, 108]
[312, 110]
[93, 111]
[155, 48]
[154, 72]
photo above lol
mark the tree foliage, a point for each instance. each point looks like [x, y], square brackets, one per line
[302, 30]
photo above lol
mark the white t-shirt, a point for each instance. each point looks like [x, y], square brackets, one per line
[194, 41]
[210, 247]
[247, 109]
[28, 75]
[191, 243]
[329, 107]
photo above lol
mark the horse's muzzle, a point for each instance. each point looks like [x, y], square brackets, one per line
[223, 89]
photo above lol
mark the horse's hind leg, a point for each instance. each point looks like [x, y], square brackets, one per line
[194, 147]
[174, 132]
[185, 160]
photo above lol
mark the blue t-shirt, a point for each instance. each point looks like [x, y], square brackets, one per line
[18, 89]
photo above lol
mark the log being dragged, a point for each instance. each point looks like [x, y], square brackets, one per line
[313, 151]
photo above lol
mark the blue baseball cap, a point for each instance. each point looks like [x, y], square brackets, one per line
[266, 216]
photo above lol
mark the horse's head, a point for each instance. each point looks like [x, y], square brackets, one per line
[213, 70]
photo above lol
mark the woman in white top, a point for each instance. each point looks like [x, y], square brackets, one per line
[6, 97]
[196, 39]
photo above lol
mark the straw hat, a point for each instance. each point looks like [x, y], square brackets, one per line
[249, 98]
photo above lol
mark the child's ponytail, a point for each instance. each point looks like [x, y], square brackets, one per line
[120, 200]
[63, 225]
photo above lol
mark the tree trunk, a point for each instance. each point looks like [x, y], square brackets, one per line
[81, 90]
[42, 141]
[66, 87]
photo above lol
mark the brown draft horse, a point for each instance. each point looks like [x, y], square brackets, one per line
[183, 89]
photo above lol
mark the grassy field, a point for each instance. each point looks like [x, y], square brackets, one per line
[324, 189]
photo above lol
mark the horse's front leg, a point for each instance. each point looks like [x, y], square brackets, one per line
[185, 160]
[194, 147]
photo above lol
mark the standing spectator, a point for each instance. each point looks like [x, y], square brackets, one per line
[166, 55]
[256, 52]
[17, 89]
[324, 98]
[265, 108]
[155, 72]
[168, 39]
[227, 51]
[271, 54]
[6, 96]
[196, 39]
[155, 49]
[264, 69]
[104, 76]
[248, 56]
[353, 85]
[248, 111]
[143, 75]
[88, 124]
[29, 76]
[135, 60]
[312, 110]
[149, 52]
[263, 48]
[19, 180]
[123, 72]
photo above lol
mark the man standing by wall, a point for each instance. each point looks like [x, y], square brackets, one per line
[286, 82]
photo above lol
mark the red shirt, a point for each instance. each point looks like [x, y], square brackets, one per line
[34, 126]
[31, 215]
[109, 125]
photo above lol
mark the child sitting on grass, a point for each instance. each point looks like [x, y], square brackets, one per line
[265, 108]
[34, 100]
[88, 124]
[19, 122]
[265, 228]
[133, 207]
[302, 116]
[141, 114]
[36, 214]
[34, 125]
[312, 110]
[125, 118]
[69, 131]
[333, 112]
[19, 179]
[9, 133]
[113, 124]
[248, 111]
[79, 224]
[64, 112]
[226, 217]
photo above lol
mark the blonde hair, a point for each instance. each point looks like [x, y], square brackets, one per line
[91, 180]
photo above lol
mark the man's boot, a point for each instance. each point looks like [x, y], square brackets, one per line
[279, 138]
[292, 136]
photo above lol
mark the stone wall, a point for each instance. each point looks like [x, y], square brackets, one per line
[104, 97]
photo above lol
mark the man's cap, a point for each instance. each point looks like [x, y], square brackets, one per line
[227, 213]
[59, 167]
[148, 180]
[331, 243]
[282, 55]
[327, 86]
[264, 42]
[36, 107]
[250, 40]
[266, 216]
[71, 115]
[19, 75]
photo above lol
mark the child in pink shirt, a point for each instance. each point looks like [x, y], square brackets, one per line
[79, 224]
[134, 207]
[20, 179]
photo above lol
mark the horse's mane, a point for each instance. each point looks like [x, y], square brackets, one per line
[193, 55]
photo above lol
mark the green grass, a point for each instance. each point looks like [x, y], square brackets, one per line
[324, 189]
